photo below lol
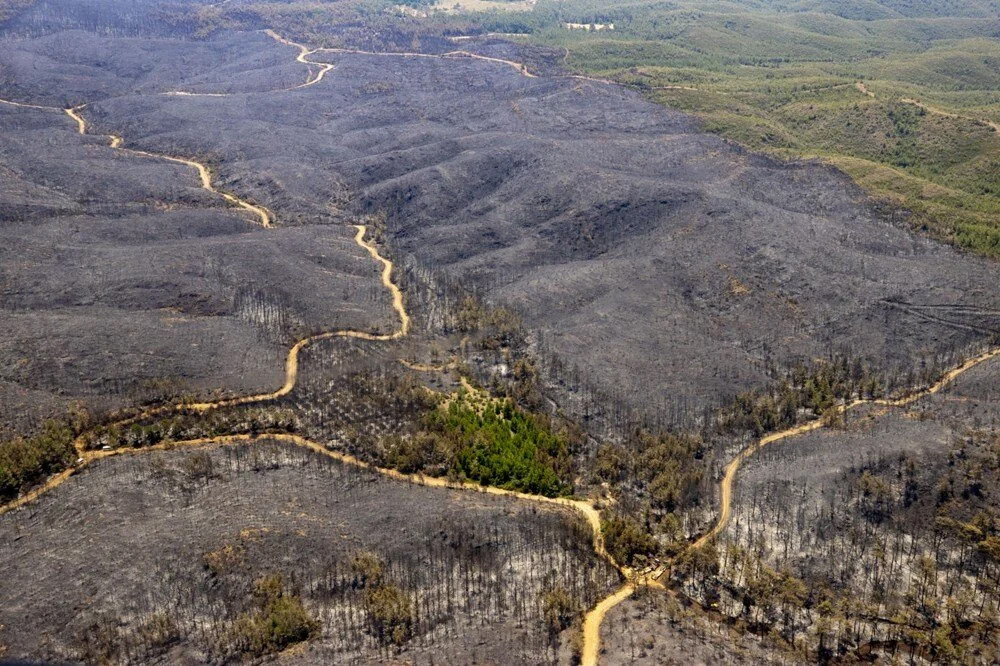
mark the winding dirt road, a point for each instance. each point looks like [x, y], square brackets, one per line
[203, 173]
[582, 507]
[116, 142]
[85, 456]
[312, 77]
[520, 67]
[729, 475]
[303, 57]
[948, 114]
[594, 618]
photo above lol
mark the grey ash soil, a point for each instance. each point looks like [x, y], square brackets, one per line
[127, 538]
[669, 266]
[53, 69]
[133, 283]
[651, 629]
[666, 264]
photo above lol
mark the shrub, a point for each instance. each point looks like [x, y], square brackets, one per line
[199, 467]
[559, 608]
[367, 568]
[280, 621]
[390, 613]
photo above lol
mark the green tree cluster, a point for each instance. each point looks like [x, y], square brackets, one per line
[496, 445]
[627, 541]
[279, 621]
[26, 461]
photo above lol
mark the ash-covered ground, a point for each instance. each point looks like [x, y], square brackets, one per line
[667, 265]
[186, 534]
[123, 281]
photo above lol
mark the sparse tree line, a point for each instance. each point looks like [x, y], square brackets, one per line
[251, 420]
[806, 391]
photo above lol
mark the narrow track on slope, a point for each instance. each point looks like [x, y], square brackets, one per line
[863, 89]
[582, 507]
[520, 67]
[948, 114]
[593, 619]
[116, 142]
[85, 456]
[303, 57]
[729, 475]
[312, 77]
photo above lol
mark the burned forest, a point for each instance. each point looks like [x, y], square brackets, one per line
[499, 332]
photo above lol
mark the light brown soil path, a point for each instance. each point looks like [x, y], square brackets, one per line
[292, 358]
[932, 109]
[863, 89]
[304, 52]
[729, 475]
[114, 141]
[948, 114]
[582, 507]
[520, 67]
[291, 376]
[29, 106]
[312, 77]
[205, 176]
[593, 619]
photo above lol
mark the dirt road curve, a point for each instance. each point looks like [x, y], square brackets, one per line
[203, 173]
